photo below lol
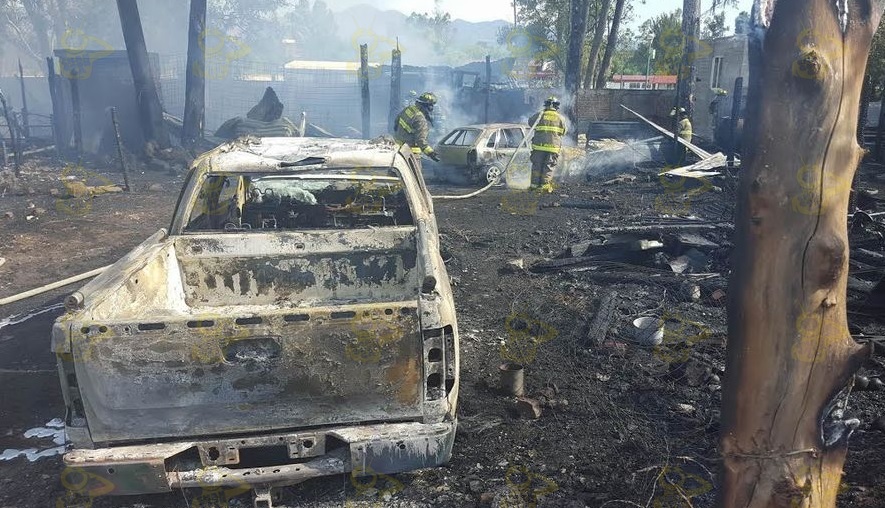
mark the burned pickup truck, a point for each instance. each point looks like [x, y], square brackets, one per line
[296, 320]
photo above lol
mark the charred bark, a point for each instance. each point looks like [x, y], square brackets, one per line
[195, 85]
[791, 358]
[611, 45]
[691, 27]
[146, 95]
[580, 9]
[596, 45]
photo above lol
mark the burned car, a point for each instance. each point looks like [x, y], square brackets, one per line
[483, 151]
[296, 320]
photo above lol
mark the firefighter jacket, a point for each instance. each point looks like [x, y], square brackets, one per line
[685, 131]
[413, 128]
[549, 132]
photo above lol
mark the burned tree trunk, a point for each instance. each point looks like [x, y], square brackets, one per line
[580, 9]
[598, 34]
[790, 355]
[195, 85]
[611, 45]
[146, 94]
[691, 26]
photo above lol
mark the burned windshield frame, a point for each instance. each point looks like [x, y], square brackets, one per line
[352, 198]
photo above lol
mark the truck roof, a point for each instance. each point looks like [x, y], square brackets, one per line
[249, 155]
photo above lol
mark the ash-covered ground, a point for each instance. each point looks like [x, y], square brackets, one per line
[620, 424]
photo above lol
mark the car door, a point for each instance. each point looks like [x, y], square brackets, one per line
[509, 140]
[455, 146]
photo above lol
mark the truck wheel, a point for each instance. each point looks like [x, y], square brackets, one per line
[495, 174]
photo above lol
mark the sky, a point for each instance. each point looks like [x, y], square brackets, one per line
[490, 10]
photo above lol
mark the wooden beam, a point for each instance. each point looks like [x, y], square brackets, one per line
[77, 112]
[146, 95]
[364, 91]
[791, 358]
[396, 88]
[26, 123]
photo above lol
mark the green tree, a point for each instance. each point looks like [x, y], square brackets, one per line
[742, 23]
[436, 25]
[665, 31]
[714, 26]
[313, 28]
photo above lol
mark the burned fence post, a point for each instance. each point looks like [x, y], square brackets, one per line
[195, 82]
[26, 126]
[396, 84]
[488, 87]
[75, 104]
[57, 108]
[10, 126]
[736, 103]
[364, 90]
[119, 141]
[146, 95]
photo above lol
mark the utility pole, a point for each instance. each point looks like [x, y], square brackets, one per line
[146, 95]
[195, 84]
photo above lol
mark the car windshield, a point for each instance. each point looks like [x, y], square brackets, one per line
[269, 202]
[461, 137]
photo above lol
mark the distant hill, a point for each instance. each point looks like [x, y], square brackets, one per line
[380, 29]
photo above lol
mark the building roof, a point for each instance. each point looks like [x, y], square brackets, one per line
[641, 78]
[316, 65]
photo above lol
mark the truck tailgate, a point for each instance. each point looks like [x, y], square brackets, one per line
[263, 333]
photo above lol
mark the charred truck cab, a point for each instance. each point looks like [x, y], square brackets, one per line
[295, 321]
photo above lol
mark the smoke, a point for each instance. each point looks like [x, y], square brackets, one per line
[608, 157]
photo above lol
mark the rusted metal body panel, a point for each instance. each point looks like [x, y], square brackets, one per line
[386, 448]
[213, 343]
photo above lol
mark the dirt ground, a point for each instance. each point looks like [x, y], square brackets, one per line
[621, 426]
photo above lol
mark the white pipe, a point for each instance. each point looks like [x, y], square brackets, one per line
[54, 285]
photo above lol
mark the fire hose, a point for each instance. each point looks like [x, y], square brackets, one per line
[506, 168]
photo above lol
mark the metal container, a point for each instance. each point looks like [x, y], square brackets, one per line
[512, 380]
[649, 331]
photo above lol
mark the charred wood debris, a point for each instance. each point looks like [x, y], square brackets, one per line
[683, 247]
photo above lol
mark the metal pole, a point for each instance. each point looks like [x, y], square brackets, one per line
[120, 149]
[364, 88]
[26, 128]
[648, 64]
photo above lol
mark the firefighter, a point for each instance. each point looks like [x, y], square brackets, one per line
[546, 144]
[413, 126]
[684, 130]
